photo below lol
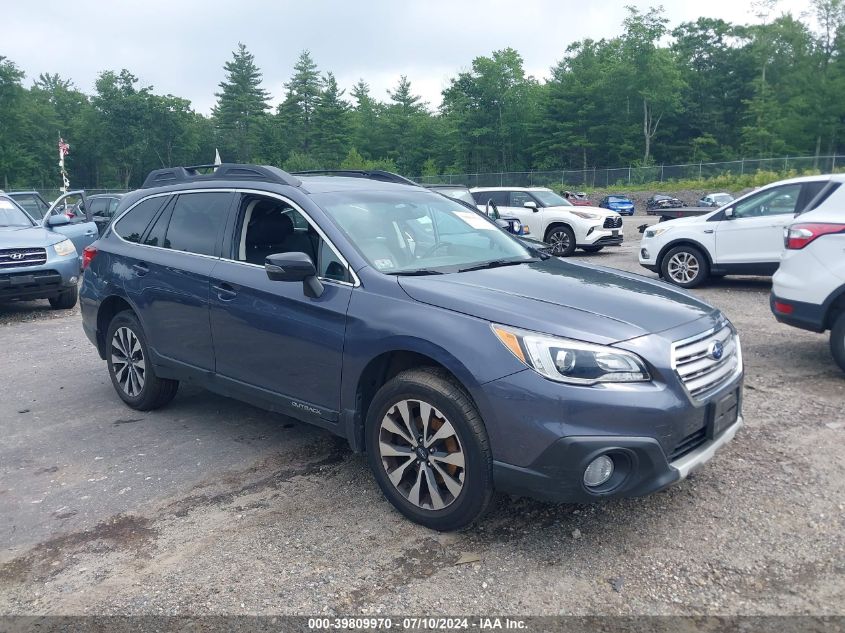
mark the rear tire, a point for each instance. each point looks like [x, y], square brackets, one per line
[837, 340]
[685, 266]
[591, 249]
[130, 366]
[65, 300]
[562, 240]
[428, 450]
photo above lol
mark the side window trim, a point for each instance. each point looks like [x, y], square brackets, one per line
[227, 253]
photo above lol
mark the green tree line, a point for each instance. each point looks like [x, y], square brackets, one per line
[706, 90]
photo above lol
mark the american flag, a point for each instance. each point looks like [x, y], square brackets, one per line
[64, 148]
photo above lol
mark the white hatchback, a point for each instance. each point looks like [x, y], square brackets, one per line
[554, 219]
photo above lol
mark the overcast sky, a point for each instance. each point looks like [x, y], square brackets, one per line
[179, 47]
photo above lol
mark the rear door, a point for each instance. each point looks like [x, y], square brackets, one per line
[168, 277]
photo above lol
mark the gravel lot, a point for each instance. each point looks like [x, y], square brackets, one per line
[211, 506]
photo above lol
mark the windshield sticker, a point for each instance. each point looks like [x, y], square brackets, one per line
[475, 221]
[383, 264]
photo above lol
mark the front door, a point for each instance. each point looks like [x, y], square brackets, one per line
[81, 230]
[754, 235]
[269, 336]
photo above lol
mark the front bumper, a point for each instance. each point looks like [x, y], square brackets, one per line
[39, 282]
[558, 475]
[600, 236]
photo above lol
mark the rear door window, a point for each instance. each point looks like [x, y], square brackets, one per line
[133, 224]
[196, 222]
[499, 198]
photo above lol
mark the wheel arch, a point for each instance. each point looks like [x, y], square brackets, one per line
[385, 365]
[554, 224]
[684, 241]
[109, 307]
[834, 305]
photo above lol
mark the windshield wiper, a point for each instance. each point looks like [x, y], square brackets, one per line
[416, 273]
[497, 263]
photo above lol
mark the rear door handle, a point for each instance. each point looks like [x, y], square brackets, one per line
[141, 268]
[225, 291]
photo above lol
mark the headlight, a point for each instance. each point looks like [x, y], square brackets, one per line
[63, 248]
[574, 362]
[657, 231]
[587, 216]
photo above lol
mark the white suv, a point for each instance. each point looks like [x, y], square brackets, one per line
[808, 290]
[744, 237]
[554, 219]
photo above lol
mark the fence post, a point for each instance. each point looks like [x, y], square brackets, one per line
[699, 170]
[833, 163]
[629, 174]
[786, 163]
[742, 167]
[661, 173]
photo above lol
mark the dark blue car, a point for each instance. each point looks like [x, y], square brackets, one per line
[460, 361]
[619, 203]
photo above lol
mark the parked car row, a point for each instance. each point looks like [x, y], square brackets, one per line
[793, 229]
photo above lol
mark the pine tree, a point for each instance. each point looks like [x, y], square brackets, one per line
[297, 110]
[241, 105]
[331, 125]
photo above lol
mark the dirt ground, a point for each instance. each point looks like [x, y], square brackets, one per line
[210, 506]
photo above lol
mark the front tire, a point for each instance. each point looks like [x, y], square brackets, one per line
[428, 449]
[562, 241]
[65, 300]
[130, 366]
[685, 266]
[837, 340]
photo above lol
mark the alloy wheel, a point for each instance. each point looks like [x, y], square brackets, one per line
[127, 359]
[559, 241]
[421, 454]
[683, 267]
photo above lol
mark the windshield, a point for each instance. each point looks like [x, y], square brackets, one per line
[406, 232]
[617, 199]
[457, 194]
[13, 215]
[550, 198]
[722, 198]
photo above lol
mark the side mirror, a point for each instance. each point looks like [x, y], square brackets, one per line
[531, 205]
[503, 224]
[294, 267]
[729, 213]
[58, 219]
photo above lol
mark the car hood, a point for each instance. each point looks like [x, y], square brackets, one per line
[691, 219]
[30, 236]
[590, 209]
[620, 205]
[588, 303]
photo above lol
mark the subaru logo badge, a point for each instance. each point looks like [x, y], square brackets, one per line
[715, 350]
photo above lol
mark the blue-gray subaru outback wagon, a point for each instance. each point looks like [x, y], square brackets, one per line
[459, 360]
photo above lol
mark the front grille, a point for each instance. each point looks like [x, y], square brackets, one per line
[15, 257]
[18, 284]
[689, 443]
[611, 222]
[698, 365]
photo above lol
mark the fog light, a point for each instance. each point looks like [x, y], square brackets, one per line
[598, 472]
[73, 280]
[644, 253]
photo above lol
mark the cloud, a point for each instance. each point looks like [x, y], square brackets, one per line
[180, 47]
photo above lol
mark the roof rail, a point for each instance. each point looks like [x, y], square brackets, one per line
[370, 174]
[226, 171]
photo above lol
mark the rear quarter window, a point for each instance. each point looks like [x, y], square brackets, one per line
[133, 224]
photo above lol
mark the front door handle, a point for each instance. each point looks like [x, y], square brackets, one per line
[141, 268]
[225, 291]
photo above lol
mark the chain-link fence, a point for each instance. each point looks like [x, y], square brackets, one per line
[621, 176]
